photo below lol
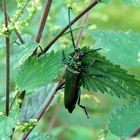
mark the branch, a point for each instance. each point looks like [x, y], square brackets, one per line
[44, 109]
[43, 20]
[135, 133]
[42, 23]
[89, 7]
[7, 41]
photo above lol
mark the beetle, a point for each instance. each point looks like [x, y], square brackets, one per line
[74, 70]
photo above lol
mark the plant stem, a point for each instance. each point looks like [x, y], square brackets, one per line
[135, 133]
[43, 20]
[89, 7]
[7, 41]
[44, 109]
[42, 23]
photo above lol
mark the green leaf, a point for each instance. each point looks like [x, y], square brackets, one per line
[7, 124]
[105, 77]
[117, 45]
[39, 136]
[124, 121]
[37, 72]
[35, 102]
[105, 1]
[110, 136]
[23, 52]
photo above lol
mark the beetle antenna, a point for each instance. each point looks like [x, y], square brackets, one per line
[72, 38]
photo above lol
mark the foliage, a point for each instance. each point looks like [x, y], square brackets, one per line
[24, 52]
[106, 71]
[48, 67]
[125, 117]
[7, 124]
[111, 42]
[105, 77]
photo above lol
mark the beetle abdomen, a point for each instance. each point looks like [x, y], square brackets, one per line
[72, 85]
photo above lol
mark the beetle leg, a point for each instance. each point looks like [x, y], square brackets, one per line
[63, 56]
[83, 107]
[60, 86]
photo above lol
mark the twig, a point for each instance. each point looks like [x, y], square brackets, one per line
[43, 20]
[90, 6]
[44, 109]
[7, 40]
[19, 36]
[42, 23]
[135, 133]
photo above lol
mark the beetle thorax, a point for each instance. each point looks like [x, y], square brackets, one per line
[75, 61]
[78, 56]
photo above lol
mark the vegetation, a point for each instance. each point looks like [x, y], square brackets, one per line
[35, 35]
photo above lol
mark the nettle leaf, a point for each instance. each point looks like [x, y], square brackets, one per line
[36, 102]
[124, 121]
[117, 46]
[105, 77]
[37, 72]
[23, 52]
[7, 124]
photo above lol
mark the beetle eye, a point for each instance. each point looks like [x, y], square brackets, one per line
[76, 56]
[81, 54]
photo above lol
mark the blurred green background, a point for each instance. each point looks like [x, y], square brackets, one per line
[57, 122]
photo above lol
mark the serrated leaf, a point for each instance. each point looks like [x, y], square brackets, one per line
[37, 72]
[7, 124]
[35, 102]
[119, 47]
[23, 52]
[124, 121]
[105, 77]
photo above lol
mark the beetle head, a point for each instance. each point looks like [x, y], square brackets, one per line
[79, 55]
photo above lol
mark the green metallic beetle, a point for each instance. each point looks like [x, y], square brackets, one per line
[74, 71]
